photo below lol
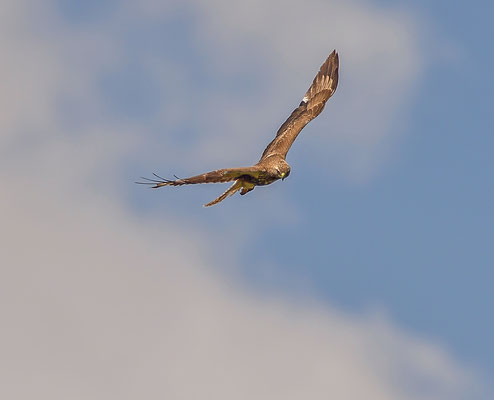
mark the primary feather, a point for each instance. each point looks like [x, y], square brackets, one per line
[322, 88]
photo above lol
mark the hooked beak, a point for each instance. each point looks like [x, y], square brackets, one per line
[283, 176]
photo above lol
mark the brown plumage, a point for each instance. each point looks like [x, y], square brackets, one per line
[272, 165]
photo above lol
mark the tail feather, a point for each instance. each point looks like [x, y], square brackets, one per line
[231, 191]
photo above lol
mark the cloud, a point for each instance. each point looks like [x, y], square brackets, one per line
[262, 43]
[99, 303]
[96, 303]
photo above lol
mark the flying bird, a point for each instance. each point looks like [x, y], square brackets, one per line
[272, 166]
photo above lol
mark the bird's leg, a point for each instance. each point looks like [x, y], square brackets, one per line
[247, 187]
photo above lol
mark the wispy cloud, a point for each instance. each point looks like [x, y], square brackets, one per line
[97, 303]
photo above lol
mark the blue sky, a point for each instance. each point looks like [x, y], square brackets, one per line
[415, 239]
[383, 232]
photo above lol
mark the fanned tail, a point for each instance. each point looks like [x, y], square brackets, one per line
[231, 191]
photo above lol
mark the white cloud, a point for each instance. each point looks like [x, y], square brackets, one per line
[270, 42]
[98, 303]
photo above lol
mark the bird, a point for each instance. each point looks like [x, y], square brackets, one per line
[272, 165]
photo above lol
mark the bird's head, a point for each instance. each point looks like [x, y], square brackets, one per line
[283, 170]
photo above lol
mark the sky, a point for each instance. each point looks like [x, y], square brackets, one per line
[366, 274]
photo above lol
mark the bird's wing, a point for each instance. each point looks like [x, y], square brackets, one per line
[322, 88]
[218, 176]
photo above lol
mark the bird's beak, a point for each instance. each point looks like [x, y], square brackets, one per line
[283, 176]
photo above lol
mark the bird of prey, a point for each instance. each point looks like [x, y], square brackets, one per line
[272, 165]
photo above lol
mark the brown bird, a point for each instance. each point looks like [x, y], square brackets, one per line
[272, 165]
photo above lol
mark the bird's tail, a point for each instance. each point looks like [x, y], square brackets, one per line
[232, 190]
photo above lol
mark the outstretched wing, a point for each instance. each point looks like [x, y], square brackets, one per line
[322, 88]
[218, 176]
